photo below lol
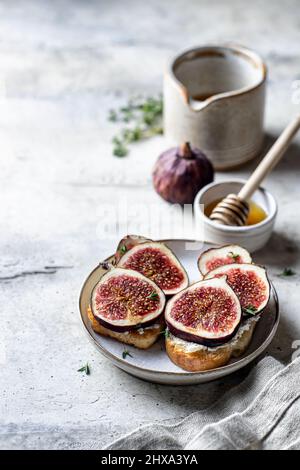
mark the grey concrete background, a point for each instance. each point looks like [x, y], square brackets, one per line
[63, 65]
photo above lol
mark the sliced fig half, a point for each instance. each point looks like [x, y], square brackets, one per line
[158, 263]
[249, 282]
[216, 257]
[124, 300]
[208, 313]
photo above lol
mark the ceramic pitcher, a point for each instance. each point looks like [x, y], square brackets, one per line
[214, 98]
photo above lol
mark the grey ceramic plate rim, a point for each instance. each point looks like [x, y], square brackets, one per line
[124, 365]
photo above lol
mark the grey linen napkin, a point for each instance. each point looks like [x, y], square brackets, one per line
[262, 412]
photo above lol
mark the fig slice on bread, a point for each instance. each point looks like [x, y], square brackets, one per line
[208, 313]
[197, 358]
[249, 282]
[158, 263]
[217, 257]
[125, 300]
[142, 338]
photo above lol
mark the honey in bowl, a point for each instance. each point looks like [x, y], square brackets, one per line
[256, 213]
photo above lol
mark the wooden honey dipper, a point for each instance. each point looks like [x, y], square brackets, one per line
[234, 209]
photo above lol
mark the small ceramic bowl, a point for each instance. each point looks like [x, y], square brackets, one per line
[252, 237]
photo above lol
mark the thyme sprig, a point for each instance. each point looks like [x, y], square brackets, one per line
[85, 369]
[143, 119]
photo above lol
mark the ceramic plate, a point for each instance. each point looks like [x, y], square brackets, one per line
[153, 364]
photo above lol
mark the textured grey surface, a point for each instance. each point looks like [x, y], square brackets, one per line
[62, 66]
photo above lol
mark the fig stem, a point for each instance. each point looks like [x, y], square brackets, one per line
[185, 150]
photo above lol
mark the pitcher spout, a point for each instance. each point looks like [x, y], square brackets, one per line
[198, 103]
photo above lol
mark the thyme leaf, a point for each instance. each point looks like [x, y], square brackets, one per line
[153, 296]
[166, 333]
[126, 353]
[250, 309]
[287, 272]
[234, 256]
[119, 147]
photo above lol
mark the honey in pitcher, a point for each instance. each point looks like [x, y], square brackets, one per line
[256, 213]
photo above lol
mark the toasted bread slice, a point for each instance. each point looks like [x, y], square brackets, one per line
[196, 358]
[142, 338]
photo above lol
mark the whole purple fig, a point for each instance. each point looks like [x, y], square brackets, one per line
[180, 173]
